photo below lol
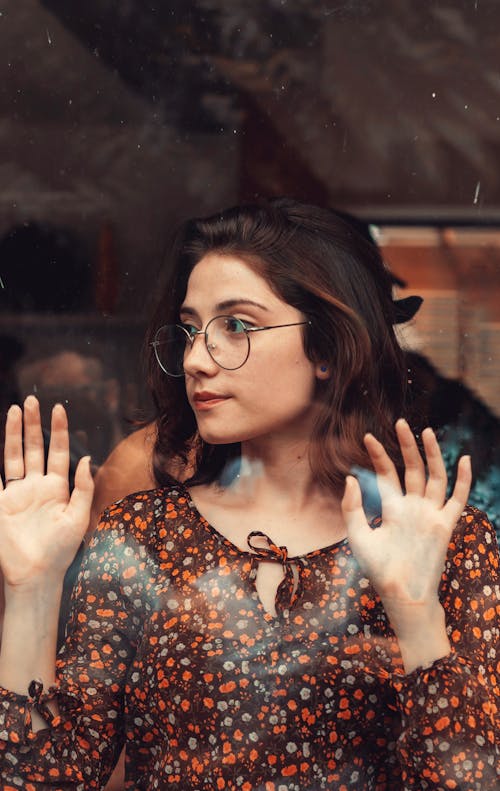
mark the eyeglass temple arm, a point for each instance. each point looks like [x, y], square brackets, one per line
[276, 326]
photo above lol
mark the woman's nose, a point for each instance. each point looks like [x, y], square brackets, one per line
[197, 358]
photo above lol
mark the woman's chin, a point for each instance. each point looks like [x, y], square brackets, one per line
[211, 438]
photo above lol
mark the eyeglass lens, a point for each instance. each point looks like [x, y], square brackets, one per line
[225, 338]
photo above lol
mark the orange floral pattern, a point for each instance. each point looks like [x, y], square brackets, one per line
[170, 651]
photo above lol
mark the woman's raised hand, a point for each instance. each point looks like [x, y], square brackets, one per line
[404, 557]
[41, 525]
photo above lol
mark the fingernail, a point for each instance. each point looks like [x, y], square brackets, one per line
[371, 437]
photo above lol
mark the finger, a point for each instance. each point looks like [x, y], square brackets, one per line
[437, 481]
[458, 499]
[80, 501]
[353, 512]
[34, 454]
[58, 455]
[387, 476]
[414, 464]
[13, 446]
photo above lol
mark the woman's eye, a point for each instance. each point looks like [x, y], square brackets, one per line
[235, 326]
[191, 331]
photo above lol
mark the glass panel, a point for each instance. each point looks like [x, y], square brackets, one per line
[121, 119]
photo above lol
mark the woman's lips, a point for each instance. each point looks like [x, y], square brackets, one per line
[204, 401]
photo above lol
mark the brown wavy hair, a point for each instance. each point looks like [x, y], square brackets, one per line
[317, 262]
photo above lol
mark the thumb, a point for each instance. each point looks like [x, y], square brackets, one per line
[78, 508]
[458, 499]
[352, 509]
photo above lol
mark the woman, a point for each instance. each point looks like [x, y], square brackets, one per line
[254, 628]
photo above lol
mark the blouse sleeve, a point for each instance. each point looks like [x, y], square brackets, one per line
[450, 710]
[79, 747]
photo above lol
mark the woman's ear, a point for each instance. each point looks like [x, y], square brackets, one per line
[322, 371]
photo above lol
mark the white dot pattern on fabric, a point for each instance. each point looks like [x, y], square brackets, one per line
[220, 694]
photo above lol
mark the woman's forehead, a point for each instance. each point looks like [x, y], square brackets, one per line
[220, 278]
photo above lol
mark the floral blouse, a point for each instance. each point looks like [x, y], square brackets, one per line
[170, 652]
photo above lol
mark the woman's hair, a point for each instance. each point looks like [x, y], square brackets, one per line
[317, 262]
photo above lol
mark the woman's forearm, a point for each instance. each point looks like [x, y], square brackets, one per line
[421, 632]
[29, 637]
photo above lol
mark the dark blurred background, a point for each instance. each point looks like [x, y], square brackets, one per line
[119, 118]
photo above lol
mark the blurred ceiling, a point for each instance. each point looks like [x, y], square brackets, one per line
[392, 107]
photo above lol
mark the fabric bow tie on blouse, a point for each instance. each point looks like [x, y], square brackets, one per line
[290, 587]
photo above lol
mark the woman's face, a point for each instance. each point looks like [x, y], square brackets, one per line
[271, 395]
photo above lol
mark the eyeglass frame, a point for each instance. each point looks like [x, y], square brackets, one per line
[192, 337]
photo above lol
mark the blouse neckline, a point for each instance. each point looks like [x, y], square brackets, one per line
[235, 549]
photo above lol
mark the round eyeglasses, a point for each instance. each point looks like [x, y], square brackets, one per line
[227, 340]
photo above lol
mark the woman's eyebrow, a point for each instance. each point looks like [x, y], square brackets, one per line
[185, 310]
[227, 304]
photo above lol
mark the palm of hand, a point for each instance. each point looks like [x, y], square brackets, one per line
[33, 521]
[41, 526]
[404, 557]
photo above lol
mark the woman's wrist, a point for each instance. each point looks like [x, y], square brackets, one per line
[421, 633]
[43, 588]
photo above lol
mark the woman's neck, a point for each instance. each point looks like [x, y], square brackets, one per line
[279, 471]
[271, 488]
